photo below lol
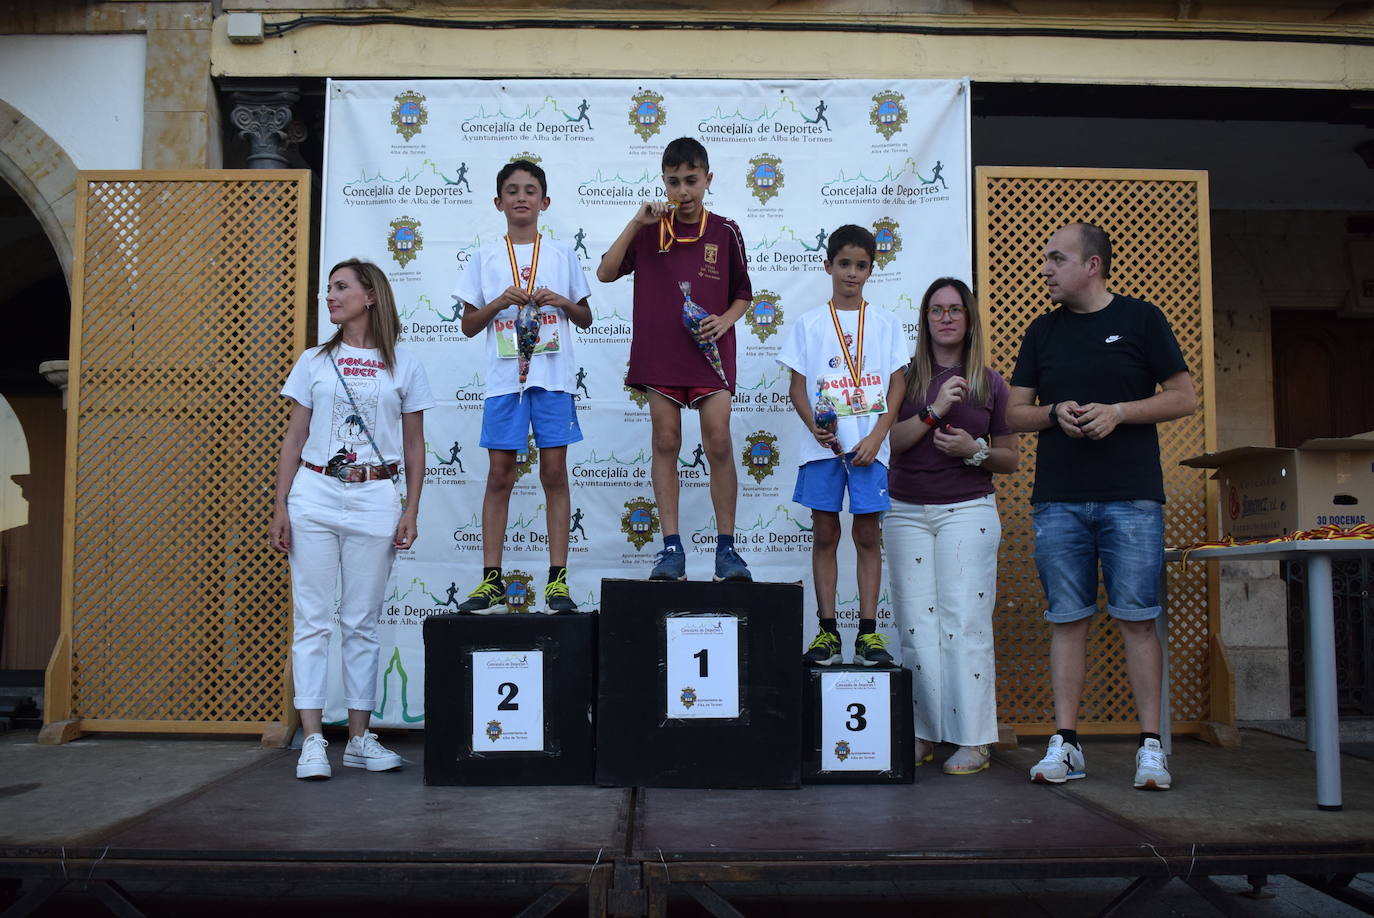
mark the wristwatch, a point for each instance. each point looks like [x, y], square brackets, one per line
[1054, 418]
[928, 416]
[982, 454]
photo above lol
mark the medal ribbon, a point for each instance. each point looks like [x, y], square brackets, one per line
[844, 348]
[515, 266]
[667, 236]
[1330, 531]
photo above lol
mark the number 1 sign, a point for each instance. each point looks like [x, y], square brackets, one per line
[702, 656]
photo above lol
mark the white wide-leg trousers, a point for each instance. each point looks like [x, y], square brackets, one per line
[942, 565]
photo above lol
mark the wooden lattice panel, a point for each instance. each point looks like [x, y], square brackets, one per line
[1158, 222]
[188, 309]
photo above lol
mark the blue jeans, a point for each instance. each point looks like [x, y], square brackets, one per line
[1126, 536]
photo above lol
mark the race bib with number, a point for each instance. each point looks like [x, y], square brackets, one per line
[548, 336]
[870, 397]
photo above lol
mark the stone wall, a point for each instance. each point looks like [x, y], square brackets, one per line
[181, 118]
[1261, 261]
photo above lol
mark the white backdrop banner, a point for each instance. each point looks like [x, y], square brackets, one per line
[410, 174]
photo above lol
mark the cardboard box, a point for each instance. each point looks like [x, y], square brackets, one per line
[1267, 491]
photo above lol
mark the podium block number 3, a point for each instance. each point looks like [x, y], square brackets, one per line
[702, 665]
[507, 701]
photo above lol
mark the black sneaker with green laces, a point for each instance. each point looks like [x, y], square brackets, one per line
[490, 592]
[870, 650]
[557, 598]
[824, 650]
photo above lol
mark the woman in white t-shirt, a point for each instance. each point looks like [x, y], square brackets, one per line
[357, 420]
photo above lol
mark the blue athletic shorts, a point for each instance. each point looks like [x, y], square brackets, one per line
[507, 420]
[821, 484]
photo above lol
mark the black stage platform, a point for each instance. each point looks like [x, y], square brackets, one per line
[1245, 811]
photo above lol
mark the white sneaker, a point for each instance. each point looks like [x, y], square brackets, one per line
[313, 765]
[1152, 767]
[1062, 762]
[365, 752]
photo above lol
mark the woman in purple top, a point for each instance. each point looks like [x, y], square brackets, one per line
[942, 532]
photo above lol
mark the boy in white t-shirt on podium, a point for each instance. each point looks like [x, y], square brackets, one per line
[524, 267]
[853, 356]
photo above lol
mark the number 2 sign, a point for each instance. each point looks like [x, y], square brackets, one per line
[507, 701]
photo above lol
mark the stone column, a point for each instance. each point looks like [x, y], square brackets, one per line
[262, 114]
[180, 120]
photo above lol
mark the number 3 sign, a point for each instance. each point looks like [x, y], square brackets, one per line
[856, 727]
[507, 701]
[702, 656]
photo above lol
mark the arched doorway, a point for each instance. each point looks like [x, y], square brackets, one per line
[37, 188]
[36, 308]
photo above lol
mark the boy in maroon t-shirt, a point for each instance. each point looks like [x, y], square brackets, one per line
[663, 245]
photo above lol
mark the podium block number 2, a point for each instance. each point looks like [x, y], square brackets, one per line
[507, 701]
[856, 721]
[702, 655]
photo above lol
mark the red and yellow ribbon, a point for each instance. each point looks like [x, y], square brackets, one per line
[515, 266]
[844, 348]
[667, 235]
[1330, 532]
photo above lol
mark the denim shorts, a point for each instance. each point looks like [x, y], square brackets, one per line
[821, 484]
[507, 419]
[1126, 536]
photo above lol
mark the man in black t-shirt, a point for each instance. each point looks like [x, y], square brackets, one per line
[1094, 377]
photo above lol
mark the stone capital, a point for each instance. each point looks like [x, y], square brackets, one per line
[263, 115]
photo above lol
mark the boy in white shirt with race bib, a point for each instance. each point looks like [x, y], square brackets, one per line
[524, 267]
[852, 356]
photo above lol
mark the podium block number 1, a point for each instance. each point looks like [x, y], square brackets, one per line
[702, 657]
[507, 701]
[856, 721]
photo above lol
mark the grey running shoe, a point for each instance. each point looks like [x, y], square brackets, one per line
[1152, 767]
[1062, 762]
